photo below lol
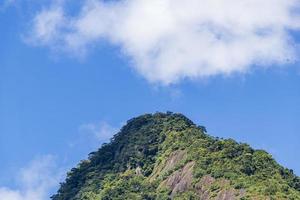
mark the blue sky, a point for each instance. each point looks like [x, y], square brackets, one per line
[60, 101]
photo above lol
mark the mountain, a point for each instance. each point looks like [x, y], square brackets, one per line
[166, 156]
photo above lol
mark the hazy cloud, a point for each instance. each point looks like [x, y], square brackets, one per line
[101, 131]
[35, 182]
[168, 40]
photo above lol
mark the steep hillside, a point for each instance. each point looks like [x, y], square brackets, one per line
[166, 156]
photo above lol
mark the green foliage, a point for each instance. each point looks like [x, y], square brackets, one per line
[127, 186]
[125, 167]
[189, 195]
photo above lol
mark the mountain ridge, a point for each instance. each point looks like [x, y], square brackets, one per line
[167, 156]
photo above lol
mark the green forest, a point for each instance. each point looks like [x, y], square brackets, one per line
[166, 156]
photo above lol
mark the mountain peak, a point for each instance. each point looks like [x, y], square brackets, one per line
[167, 156]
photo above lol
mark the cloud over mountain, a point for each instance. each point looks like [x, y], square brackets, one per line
[169, 40]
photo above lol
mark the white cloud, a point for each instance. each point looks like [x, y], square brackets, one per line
[48, 24]
[35, 182]
[169, 40]
[101, 131]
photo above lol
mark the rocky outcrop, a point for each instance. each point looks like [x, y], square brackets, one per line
[180, 180]
[203, 189]
[138, 171]
[171, 162]
[226, 195]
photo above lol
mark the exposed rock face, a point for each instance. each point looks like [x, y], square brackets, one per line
[180, 180]
[203, 186]
[172, 161]
[226, 195]
[138, 171]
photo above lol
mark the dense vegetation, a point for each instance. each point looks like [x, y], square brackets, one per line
[166, 156]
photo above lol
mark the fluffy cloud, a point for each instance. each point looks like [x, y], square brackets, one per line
[48, 23]
[35, 182]
[169, 40]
